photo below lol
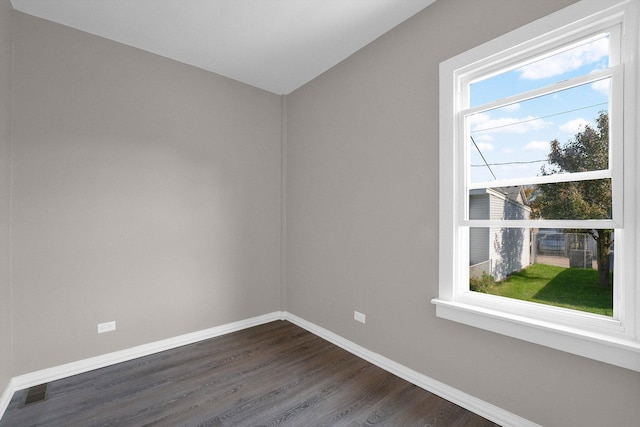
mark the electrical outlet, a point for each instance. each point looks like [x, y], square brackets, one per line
[360, 317]
[106, 327]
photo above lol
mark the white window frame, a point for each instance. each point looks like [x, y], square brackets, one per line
[614, 340]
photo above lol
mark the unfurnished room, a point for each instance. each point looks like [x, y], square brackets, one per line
[319, 213]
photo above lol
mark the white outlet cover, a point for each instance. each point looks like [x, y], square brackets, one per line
[360, 317]
[106, 327]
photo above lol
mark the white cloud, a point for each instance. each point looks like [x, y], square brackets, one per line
[601, 86]
[484, 146]
[537, 145]
[483, 137]
[566, 61]
[574, 126]
[478, 118]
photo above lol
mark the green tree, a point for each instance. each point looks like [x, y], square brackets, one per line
[588, 150]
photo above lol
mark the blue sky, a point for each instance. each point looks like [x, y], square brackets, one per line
[513, 137]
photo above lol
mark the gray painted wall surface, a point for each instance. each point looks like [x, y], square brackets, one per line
[362, 218]
[145, 192]
[5, 135]
[148, 192]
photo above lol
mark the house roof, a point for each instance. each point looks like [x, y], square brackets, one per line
[513, 194]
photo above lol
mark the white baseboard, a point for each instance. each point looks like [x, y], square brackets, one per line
[55, 373]
[473, 404]
[6, 396]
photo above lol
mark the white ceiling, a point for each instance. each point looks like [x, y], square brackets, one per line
[276, 45]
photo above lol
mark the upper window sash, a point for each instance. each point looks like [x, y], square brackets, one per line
[614, 171]
[615, 99]
[615, 156]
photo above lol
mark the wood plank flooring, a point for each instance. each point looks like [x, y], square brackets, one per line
[275, 374]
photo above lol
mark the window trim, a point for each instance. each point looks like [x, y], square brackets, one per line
[611, 340]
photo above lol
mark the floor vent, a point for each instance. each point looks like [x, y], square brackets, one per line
[36, 394]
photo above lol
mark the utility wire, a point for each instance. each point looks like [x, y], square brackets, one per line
[538, 118]
[509, 163]
[483, 159]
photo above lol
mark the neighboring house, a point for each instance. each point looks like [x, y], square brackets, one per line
[498, 251]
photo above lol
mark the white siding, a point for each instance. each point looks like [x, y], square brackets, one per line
[478, 237]
[508, 249]
[479, 206]
[478, 245]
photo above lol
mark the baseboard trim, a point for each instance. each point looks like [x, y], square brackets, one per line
[473, 404]
[6, 396]
[31, 379]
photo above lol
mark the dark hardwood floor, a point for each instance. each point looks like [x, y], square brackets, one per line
[270, 375]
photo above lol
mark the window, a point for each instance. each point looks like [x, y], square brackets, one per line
[538, 165]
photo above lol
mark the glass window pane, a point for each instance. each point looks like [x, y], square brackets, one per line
[573, 61]
[515, 141]
[500, 203]
[573, 200]
[565, 268]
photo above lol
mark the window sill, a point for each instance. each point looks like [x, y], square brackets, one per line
[615, 351]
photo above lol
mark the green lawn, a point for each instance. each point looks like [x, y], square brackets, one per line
[573, 288]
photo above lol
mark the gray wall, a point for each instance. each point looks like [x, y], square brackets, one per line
[145, 192]
[362, 224]
[148, 192]
[5, 135]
